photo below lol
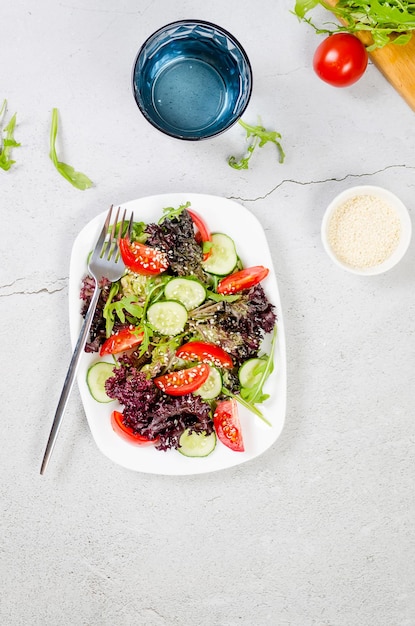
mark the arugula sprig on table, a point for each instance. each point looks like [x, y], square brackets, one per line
[258, 136]
[77, 179]
[8, 141]
[387, 21]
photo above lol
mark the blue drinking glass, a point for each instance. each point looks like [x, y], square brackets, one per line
[192, 79]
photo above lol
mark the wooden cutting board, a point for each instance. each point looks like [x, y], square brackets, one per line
[397, 64]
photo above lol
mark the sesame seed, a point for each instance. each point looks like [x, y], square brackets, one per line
[364, 231]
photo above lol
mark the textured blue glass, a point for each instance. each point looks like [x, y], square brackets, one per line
[192, 80]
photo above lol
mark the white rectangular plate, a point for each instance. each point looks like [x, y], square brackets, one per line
[221, 215]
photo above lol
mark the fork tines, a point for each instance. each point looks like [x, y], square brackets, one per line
[112, 232]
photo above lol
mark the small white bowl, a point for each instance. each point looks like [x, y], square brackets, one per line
[384, 196]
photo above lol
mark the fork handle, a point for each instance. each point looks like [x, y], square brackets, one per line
[70, 378]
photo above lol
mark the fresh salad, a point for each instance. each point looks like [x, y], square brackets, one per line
[184, 328]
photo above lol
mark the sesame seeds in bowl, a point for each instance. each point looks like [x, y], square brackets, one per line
[366, 230]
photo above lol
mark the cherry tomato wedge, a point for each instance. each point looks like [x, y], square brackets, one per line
[205, 352]
[124, 339]
[244, 279]
[127, 433]
[185, 381]
[340, 60]
[142, 259]
[227, 425]
[203, 230]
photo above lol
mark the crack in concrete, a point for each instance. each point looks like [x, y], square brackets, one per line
[54, 287]
[317, 182]
[155, 613]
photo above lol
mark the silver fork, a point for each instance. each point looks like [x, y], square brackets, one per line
[104, 262]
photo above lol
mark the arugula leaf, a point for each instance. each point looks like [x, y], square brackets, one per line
[246, 404]
[77, 179]
[170, 213]
[8, 142]
[127, 304]
[387, 21]
[163, 354]
[259, 137]
[255, 394]
[154, 290]
[138, 232]
[107, 312]
[147, 336]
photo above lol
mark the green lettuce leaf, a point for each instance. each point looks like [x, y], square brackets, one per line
[387, 21]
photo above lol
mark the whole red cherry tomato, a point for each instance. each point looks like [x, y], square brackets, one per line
[340, 60]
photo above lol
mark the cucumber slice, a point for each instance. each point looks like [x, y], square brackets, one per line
[167, 317]
[212, 387]
[189, 292]
[96, 376]
[223, 257]
[196, 444]
[250, 372]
